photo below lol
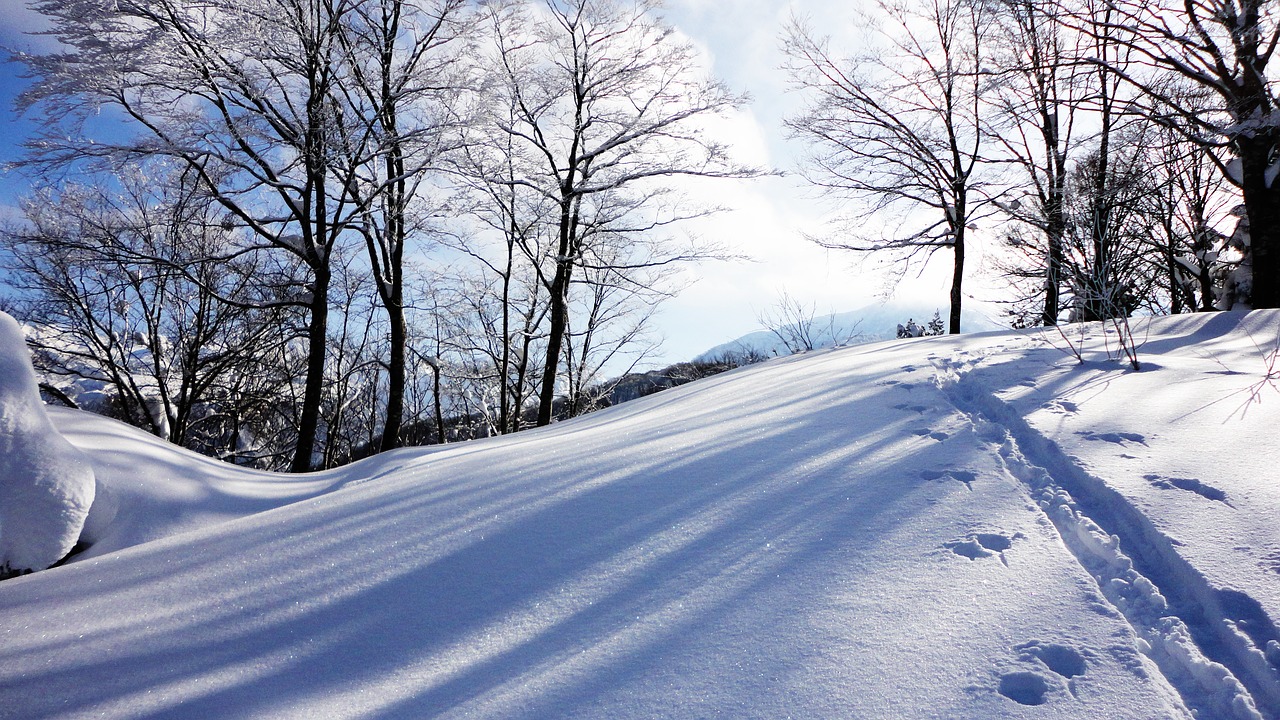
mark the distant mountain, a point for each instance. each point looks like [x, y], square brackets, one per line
[866, 324]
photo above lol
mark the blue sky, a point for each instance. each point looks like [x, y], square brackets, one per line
[767, 218]
[14, 129]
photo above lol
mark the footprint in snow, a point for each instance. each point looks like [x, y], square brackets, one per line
[914, 408]
[1202, 489]
[994, 541]
[963, 476]
[930, 432]
[982, 545]
[1026, 688]
[1119, 438]
[1066, 407]
[1061, 659]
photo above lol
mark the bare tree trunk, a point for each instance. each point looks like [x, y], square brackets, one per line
[555, 339]
[504, 365]
[957, 279]
[395, 374]
[313, 392]
[1053, 278]
[1262, 205]
[1055, 228]
[393, 292]
[439, 411]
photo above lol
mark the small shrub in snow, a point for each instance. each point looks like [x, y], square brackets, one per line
[912, 330]
[46, 485]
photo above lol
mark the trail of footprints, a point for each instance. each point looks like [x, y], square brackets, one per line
[1124, 439]
[1062, 663]
[1044, 671]
[916, 408]
[1023, 686]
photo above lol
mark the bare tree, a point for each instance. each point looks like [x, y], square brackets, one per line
[1108, 182]
[609, 102]
[608, 330]
[792, 322]
[898, 128]
[1087, 211]
[1223, 47]
[1190, 201]
[485, 335]
[399, 75]
[242, 94]
[355, 386]
[511, 244]
[1039, 89]
[1109, 267]
[121, 294]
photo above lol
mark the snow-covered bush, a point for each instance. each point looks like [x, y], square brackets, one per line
[912, 330]
[46, 485]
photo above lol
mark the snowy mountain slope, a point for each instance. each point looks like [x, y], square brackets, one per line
[866, 324]
[910, 529]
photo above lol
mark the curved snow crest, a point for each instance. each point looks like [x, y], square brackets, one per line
[46, 485]
[149, 488]
[1207, 686]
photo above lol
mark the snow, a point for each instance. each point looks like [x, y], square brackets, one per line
[955, 527]
[46, 485]
[156, 489]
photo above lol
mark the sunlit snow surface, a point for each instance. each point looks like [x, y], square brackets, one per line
[910, 529]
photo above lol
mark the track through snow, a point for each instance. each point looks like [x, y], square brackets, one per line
[1216, 646]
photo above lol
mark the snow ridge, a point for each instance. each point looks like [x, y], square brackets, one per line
[1216, 647]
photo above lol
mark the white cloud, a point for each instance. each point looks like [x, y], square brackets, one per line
[766, 220]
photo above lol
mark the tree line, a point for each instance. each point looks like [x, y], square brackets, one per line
[288, 233]
[1123, 152]
[284, 232]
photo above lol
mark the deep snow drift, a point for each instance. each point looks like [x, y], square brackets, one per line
[969, 527]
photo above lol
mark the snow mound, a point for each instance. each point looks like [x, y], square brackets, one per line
[46, 485]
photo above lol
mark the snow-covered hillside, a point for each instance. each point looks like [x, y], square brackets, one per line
[955, 527]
